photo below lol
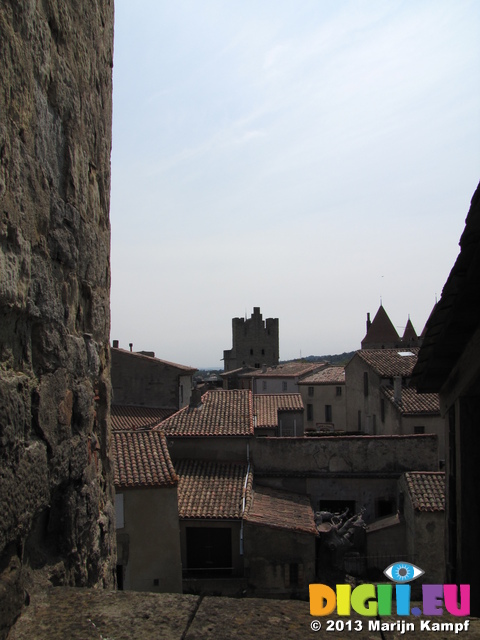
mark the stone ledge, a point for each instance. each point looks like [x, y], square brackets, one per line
[61, 613]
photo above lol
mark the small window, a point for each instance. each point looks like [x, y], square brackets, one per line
[338, 391]
[251, 352]
[263, 352]
[419, 429]
[264, 385]
[385, 507]
[310, 391]
[284, 386]
[365, 384]
[328, 413]
[309, 411]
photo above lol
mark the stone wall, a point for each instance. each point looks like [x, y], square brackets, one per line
[56, 492]
[345, 454]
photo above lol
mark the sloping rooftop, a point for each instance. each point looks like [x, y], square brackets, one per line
[414, 403]
[281, 510]
[286, 370]
[381, 331]
[220, 413]
[211, 489]
[129, 418]
[141, 459]
[456, 317]
[409, 335]
[138, 354]
[329, 375]
[267, 406]
[427, 490]
[388, 363]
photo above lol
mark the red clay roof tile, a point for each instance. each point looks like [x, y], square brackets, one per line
[281, 510]
[427, 490]
[330, 375]
[213, 490]
[267, 406]
[221, 413]
[388, 363]
[129, 418]
[414, 403]
[141, 459]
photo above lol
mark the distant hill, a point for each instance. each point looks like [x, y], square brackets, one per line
[339, 358]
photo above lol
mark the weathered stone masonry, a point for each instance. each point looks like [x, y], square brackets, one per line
[56, 491]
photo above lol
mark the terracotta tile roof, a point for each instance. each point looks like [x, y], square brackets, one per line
[221, 413]
[138, 354]
[412, 402]
[141, 459]
[129, 418]
[388, 363]
[267, 406]
[329, 375]
[211, 489]
[427, 490]
[286, 370]
[281, 510]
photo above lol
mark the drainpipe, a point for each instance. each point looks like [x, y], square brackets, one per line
[244, 498]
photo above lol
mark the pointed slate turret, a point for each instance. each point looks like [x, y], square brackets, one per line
[381, 334]
[410, 338]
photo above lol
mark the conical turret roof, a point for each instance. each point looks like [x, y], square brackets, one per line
[381, 334]
[410, 338]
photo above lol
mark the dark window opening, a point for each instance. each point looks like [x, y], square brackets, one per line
[365, 384]
[310, 391]
[385, 507]
[309, 411]
[294, 573]
[251, 352]
[419, 429]
[338, 391]
[209, 551]
[328, 413]
[263, 352]
[257, 365]
[120, 577]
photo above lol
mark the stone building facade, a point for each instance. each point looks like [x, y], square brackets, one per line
[56, 489]
[141, 379]
[255, 342]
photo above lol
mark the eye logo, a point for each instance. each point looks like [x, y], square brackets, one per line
[403, 572]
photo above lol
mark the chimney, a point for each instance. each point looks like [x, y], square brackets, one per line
[195, 398]
[397, 389]
[130, 344]
[368, 322]
[115, 344]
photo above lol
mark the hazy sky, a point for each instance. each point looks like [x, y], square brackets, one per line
[306, 157]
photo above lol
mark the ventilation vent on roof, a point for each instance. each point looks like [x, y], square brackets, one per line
[405, 353]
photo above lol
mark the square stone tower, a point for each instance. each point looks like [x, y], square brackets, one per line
[255, 342]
